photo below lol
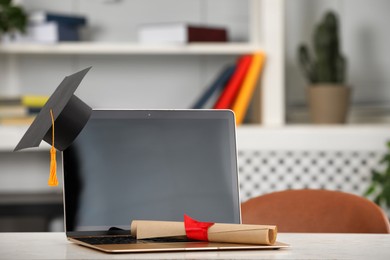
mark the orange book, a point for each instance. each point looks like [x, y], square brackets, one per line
[244, 96]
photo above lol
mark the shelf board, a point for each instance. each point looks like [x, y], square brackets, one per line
[86, 48]
[10, 137]
[303, 137]
[342, 128]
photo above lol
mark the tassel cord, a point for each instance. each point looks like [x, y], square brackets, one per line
[53, 181]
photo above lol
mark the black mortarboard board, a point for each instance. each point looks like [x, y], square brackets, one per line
[70, 114]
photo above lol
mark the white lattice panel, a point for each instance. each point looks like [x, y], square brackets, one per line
[263, 172]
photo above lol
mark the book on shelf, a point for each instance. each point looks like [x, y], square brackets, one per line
[217, 86]
[10, 100]
[48, 32]
[12, 107]
[34, 101]
[237, 85]
[180, 33]
[244, 96]
[254, 111]
[20, 110]
[13, 110]
[17, 121]
[47, 27]
[226, 99]
[71, 20]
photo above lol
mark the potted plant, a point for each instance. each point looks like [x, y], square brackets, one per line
[328, 96]
[13, 19]
[380, 182]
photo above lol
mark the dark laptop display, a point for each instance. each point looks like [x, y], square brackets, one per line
[151, 165]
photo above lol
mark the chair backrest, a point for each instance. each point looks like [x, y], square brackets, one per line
[320, 211]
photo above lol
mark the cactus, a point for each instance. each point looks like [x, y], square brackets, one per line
[329, 65]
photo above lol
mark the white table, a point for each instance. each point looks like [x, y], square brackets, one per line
[303, 246]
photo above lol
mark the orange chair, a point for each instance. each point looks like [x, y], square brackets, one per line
[319, 211]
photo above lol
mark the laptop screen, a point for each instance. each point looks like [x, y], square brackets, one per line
[151, 165]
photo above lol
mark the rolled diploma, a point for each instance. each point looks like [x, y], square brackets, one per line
[224, 233]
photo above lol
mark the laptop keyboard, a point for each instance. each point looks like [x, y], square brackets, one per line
[109, 240]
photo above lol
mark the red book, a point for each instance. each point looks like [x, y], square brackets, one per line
[206, 34]
[225, 101]
[180, 33]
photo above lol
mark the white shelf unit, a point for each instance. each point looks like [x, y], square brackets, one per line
[92, 48]
[265, 33]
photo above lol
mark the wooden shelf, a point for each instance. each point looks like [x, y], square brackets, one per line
[94, 48]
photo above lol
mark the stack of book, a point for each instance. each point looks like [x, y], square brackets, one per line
[233, 88]
[20, 110]
[180, 33]
[48, 27]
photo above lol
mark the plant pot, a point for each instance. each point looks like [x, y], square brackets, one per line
[328, 103]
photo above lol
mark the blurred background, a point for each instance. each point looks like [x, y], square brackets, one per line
[283, 143]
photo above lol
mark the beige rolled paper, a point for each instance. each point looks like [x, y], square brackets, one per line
[223, 233]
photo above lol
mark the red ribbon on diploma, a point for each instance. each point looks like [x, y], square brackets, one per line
[195, 229]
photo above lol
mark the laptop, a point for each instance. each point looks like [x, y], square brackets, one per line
[151, 165]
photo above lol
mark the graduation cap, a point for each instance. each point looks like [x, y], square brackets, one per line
[59, 122]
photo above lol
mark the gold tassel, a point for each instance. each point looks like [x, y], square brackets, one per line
[53, 181]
